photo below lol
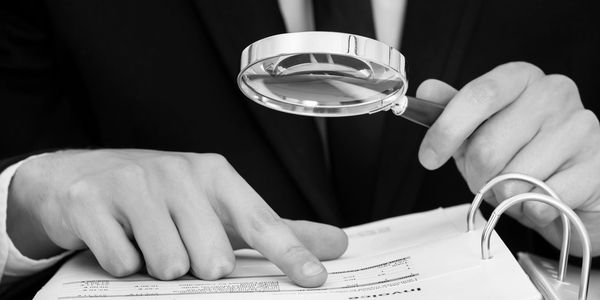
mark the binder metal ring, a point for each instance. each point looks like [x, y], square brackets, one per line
[566, 225]
[565, 210]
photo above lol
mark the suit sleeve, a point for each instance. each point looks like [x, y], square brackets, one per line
[43, 102]
[38, 111]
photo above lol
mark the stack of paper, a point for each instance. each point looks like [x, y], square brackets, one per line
[420, 256]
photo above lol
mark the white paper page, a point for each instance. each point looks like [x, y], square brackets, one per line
[419, 256]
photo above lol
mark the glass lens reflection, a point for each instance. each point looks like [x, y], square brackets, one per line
[322, 80]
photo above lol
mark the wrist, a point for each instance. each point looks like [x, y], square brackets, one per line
[26, 191]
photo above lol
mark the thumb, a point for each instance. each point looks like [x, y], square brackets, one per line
[436, 91]
[439, 92]
[323, 241]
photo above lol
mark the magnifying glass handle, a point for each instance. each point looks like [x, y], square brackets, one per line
[421, 111]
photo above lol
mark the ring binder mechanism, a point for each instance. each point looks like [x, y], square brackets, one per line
[568, 217]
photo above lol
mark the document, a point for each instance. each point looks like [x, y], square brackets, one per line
[420, 256]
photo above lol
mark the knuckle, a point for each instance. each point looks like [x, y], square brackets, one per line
[82, 192]
[524, 67]
[560, 82]
[79, 189]
[172, 163]
[586, 121]
[557, 95]
[213, 162]
[294, 253]
[129, 173]
[215, 170]
[442, 139]
[483, 159]
[483, 91]
[218, 161]
[560, 87]
[508, 189]
[215, 158]
[264, 221]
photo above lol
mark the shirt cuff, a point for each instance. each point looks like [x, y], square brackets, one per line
[12, 262]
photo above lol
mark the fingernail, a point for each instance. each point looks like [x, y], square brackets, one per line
[312, 269]
[429, 159]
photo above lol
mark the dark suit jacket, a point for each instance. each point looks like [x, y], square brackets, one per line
[161, 75]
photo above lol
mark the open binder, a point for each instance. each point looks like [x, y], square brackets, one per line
[550, 284]
[421, 256]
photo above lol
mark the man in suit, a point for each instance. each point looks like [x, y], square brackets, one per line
[171, 168]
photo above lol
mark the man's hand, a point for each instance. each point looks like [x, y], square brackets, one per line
[517, 119]
[177, 212]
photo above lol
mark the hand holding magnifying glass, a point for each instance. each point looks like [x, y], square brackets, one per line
[513, 119]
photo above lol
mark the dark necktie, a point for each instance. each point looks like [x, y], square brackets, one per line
[354, 142]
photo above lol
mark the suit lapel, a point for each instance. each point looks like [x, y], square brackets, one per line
[235, 24]
[435, 36]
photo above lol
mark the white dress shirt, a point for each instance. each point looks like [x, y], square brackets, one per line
[298, 16]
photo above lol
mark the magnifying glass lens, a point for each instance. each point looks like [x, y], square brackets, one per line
[330, 74]
[321, 84]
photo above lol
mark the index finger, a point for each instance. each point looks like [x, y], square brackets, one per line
[265, 231]
[473, 104]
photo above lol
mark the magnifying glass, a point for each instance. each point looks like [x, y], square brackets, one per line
[330, 74]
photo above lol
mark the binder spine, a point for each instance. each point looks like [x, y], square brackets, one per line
[568, 217]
